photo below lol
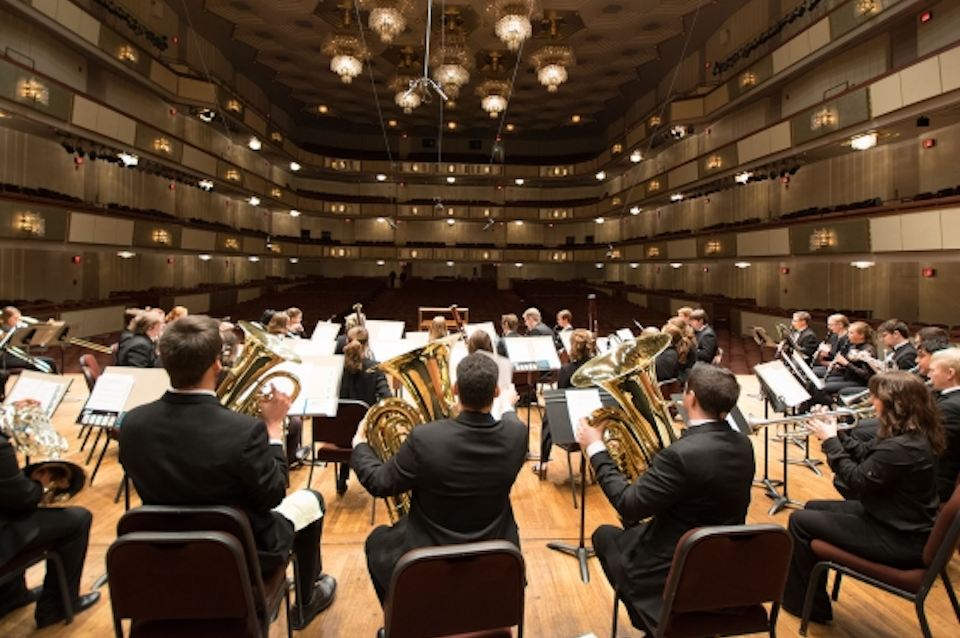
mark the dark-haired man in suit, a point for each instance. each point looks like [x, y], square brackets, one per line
[702, 479]
[706, 337]
[945, 377]
[461, 471]
[188, 449]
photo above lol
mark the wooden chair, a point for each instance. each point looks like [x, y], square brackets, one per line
[334, 435]
[267, 591]
[475, 588]
[911, 584]
[719, 581]
[21, 562]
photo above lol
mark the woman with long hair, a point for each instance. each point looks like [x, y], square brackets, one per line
[356, 383]
[583, 347]
[851, 367]
[140, 350]
[889, 484]
[686, 348]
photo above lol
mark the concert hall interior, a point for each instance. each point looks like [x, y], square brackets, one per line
[621, 159]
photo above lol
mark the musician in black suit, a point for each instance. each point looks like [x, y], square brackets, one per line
[188, 449]
[890, 489]
[853, 368]
[945, 378]
[702, 479]
[804, 337]
[357, 383]
[10, 321]
[460, 469]
[24, 526]
[901, 353]
[837, 342]
[508, 325]
[140, 350]
[706, 337]
[535, 325]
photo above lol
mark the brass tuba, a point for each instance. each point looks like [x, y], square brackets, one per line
[241, 389]
[425, 375]
[641, 427]
[31, 433]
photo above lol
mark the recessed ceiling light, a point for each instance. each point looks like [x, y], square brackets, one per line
[255, 144]
[863, 142]
[322, 109]
[254, 200]
[602, 175]
[294, 212]
[519, 181]
[575, 119]
[451, 179]
[636, 157]
[599, 220]
[294, 167]
[635, 210]
[381, 177]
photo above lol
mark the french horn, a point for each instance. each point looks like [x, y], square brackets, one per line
[30, 432]
[641, 427]
[241, 390]
[425, 375]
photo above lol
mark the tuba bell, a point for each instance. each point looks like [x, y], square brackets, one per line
[640, 427]
[245, 382]
[30, 432]
[425, 375]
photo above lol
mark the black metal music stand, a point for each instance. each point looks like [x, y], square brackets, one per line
[580, 551]
[766, 482]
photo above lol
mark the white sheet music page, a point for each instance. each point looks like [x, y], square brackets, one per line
[486, 326]
[625, 334]
[110, 393]
[581, 402]
[544, 352]
[325, 331]
[48, 393]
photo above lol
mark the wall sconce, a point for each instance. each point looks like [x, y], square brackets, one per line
[232, 174]
[161, 236]
[617, 148]
[822, 118]
[414, 254]
[714, 162]
[654, 185]
[748, 79]
[822, 238]
[338, 165]
[864, 7]
[231, 243]
[653, 252]
[656, 121]
[32, 224]
[486, 255]
[275, 193]
[35, 91]
[128, 54]
[234, 105]
[162, 145]
[713, 247]
[276, 137]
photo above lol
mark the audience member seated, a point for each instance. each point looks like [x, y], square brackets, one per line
[705, 335]
[944, 372]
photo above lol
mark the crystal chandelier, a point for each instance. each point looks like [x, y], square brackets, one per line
[513, 20]
[347, 54]
[387, 17]
[494, 95]
[551, 62]
[451, 65]
[408, 95]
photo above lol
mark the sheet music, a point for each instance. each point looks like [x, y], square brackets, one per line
[381, 329]
[325, 331]
[417, 339]
[603, 344]
[532, 353]
[110, 393]
[311, 348]
[625, 334]
[38, 386]
[319, 378]
[581, 402]
[390, 348]
[485, 326]
[779, 379]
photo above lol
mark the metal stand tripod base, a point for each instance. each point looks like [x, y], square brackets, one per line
[770, 485]
[811, 464]
[781, 502]
[100, 582]
[583, 554]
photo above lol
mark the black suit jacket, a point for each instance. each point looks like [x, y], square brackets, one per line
[706, 344]
[138, 352]
[368, 387]
[668, 364]
[540, 330]
[949, 468]
[905, 357]
[501, 347]
[19, 496]
[702, 479]
[807, 343]
[188, 449]
[461, 471]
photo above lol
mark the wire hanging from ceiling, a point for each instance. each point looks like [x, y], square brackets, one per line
[373, 88]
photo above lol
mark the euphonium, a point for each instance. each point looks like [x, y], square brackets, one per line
[639, 429]
[425, 375]
[31, 434]
[244, 384]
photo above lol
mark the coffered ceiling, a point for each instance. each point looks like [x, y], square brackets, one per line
[623, 48]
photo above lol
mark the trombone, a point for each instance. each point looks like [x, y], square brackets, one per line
[803, 420]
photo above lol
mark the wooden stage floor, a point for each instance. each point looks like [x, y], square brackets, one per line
[559, 605]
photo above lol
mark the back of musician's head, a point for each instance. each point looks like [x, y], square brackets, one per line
[716, 388]
[934, 344]
[894, 326]
[685, 312]
[582, 345]
[479, 340]
[699, 315]
[907, 407]
[9, 314]
[675, 332]
[532, 314]
[932, 333]
[355, 351]
[267, 316]
[948, 358]
[565, 315]
[293, 312]
[278, 323]
[350, 321]
[144, 322]
[477, 376]
[438, 328]
[510, 321]
[188, 347]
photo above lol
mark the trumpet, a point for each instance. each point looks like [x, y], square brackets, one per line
[802, 420]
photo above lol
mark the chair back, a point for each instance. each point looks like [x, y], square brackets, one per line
[179, 581]
[340, 429]
[945, 535]
[454, 589]
[726, 567]
[163, 518]
[91, 369]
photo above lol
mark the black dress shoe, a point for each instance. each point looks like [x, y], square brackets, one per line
[47, 617]
[324, 591]
[27, 597]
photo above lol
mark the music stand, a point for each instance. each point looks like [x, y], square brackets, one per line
[761, 338]
[806, 375]
[781, 389]
[64, 337]
[561, 427]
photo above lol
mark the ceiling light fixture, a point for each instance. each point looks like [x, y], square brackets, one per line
[452, 65]
[676, 197]
[128, 159]
[295, 167]
[863, 142]
[513, 20]
[451, 179]
[204, 257]
[636, 157]
[551, 63]
[347, 54]
[255, 144]
[387, 17]
[675, 265]
[253, 258]
[599, 220]
[863, 264]
[494, 96]
[254, 200]
[743, 264]
[742, 178]
[126, 254]
[407, 94]
[519, 181]
[381, 177]
[294, 260]
[205, 184]
[635, 210]
[206, 115]
[601, 175]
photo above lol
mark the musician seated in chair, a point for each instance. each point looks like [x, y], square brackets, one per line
[706, 336]
[804, 337]
[702, 479]
[836, 343]
[901, 353]
[140, 350]
[11, 319]
[461, 471]
[852, 368]
[25, 526]
[188, 449]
